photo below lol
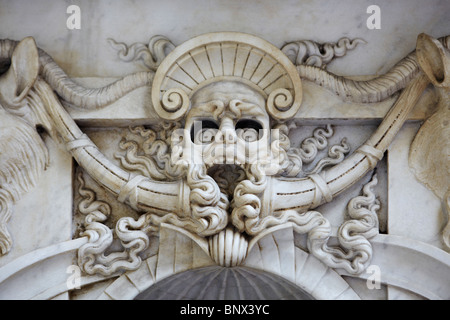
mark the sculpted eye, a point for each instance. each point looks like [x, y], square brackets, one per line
[204, 131]
[249, 130]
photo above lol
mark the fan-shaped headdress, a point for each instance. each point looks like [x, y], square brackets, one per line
[226, 56]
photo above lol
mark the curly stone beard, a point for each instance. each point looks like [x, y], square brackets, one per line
[209, 204]
[246, 202]
[241, 187]
[219, 195]
[224, 187]
[153, 154]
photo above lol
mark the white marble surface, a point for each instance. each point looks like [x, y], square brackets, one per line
[410, 214]
[417, 217]
[85, 52]
[44, 216]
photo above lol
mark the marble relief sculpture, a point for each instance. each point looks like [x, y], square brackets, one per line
[430, 150]
[22, 166]
[219, 167]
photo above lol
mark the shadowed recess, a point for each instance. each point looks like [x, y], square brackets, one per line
[220, 283]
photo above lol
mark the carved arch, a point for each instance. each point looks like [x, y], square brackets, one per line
[304, 270]
[315, 278]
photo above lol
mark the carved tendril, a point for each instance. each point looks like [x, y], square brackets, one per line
[315, 54]
[308, 150]
[132, 235]
[150, 54]
[148, 152]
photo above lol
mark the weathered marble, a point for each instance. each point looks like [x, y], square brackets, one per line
[224, 148]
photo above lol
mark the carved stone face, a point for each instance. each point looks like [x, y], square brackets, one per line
[227, 124]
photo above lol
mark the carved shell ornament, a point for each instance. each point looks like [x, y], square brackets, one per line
[222, 171]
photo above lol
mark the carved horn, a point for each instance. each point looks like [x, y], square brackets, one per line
[139, 192]
[310, 192]
[434, 60]
[76, 94]
[169, 197]
[373, 90]
[22, 74]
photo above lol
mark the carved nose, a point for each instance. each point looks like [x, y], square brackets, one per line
[229, 136]
[226, 133]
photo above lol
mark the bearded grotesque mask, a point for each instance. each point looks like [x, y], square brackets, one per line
[217, 168]
[227, 124]
[221, 170]
[225, 93]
